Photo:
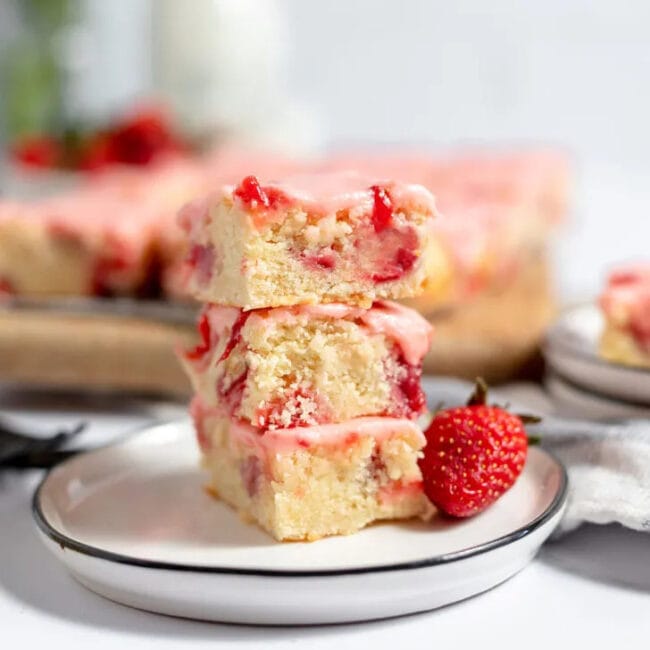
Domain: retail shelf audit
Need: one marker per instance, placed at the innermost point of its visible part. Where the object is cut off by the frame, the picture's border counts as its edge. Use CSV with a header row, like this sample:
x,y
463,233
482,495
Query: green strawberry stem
x,y
479,398
526,418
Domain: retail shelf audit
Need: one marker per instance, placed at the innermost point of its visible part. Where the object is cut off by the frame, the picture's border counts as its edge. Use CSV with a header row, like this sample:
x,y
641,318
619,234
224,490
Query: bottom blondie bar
x,y
306,483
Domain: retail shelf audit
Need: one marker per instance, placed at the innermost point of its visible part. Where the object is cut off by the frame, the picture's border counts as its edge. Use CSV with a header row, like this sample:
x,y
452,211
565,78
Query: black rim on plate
x,y
86,549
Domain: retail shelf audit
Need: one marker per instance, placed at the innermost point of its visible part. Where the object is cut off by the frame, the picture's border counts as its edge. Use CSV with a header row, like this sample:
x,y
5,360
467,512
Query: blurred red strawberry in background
x,y
138,139
41,151
97,153
142,137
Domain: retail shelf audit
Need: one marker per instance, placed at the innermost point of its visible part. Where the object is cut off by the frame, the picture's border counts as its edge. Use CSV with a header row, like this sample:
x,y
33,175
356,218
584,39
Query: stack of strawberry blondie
x,y
307,376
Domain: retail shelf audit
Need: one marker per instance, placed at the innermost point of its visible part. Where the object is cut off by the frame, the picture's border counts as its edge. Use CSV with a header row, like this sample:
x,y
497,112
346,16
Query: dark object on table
x,y
21,450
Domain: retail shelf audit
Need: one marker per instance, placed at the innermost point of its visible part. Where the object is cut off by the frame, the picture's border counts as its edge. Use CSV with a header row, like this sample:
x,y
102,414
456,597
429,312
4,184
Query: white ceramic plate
x,y
573,401
132,523
571,350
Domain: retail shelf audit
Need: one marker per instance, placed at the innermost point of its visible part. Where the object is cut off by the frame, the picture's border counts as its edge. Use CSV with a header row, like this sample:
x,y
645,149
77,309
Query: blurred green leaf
x,y
30,72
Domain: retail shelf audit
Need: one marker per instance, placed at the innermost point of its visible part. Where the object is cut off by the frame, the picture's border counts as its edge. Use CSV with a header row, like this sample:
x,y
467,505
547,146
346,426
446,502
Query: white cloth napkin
x,y
608,464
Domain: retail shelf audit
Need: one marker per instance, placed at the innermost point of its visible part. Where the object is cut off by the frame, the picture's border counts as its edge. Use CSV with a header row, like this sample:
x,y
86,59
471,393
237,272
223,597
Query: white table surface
x,y
588,590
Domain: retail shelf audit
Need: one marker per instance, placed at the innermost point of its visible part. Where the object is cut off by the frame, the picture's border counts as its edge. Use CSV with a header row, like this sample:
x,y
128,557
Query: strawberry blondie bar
x,y
310,364
305,414
108,237
304,483
315,238
75,245
625,304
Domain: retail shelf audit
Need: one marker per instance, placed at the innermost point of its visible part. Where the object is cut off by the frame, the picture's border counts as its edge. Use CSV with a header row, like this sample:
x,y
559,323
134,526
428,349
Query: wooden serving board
x,y
129,345
85,344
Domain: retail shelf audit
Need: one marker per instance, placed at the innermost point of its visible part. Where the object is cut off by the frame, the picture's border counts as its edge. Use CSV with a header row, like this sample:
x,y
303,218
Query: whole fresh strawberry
x,y
474,454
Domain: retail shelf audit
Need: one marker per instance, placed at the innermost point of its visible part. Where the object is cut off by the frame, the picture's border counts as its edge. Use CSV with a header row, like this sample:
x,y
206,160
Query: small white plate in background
x,y
572,401
571,351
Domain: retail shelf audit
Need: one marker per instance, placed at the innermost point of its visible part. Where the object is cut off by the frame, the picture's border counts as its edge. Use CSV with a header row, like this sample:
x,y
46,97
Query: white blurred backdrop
x,y
574,72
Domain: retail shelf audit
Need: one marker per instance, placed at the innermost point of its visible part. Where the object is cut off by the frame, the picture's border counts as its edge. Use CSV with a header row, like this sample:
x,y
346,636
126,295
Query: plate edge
x,y
48,529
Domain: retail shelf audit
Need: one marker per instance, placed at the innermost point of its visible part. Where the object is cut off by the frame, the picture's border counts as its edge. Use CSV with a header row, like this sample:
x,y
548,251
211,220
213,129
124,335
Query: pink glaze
x,y
193,217
412,332
405,326
321,194
213,322
626,301
398,491
228,164
221,319
401,165
83,215
168,183
199,414
90,213
497,176
10,210
287,440
490,203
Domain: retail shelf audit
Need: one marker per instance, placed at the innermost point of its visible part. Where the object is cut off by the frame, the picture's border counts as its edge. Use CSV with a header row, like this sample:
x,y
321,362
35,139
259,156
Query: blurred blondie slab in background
x,y
489,295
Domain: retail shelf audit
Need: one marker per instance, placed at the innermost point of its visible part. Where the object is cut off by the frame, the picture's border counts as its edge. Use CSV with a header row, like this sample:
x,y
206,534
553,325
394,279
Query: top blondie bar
x,y
316,238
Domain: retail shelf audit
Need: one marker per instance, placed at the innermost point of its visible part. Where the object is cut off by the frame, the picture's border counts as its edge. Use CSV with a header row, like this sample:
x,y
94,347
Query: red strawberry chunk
x,y
390,254
204,345
382,212
250,193
322,260
409,387
232,393
235,334
256,197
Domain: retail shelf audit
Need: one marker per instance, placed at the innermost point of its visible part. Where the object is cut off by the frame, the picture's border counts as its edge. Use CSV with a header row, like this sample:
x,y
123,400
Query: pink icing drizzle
x,y
403,325
221,318
412,332
278,440
320,194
